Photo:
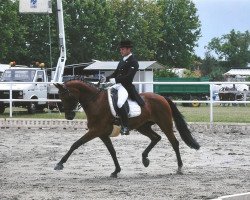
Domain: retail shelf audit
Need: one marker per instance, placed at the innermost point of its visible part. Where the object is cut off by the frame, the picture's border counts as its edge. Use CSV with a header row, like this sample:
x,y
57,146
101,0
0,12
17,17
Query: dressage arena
x,y
28,155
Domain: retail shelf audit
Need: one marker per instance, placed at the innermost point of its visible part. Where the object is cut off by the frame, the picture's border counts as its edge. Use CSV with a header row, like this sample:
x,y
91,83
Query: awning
x,y
112,65
241,72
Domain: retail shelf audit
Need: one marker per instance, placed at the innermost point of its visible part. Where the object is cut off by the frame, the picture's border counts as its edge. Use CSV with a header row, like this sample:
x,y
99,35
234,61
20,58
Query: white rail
x,y
211,101
11,100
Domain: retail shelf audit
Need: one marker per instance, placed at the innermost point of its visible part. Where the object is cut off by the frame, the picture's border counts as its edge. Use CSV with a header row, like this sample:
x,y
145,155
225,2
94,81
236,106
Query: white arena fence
x,y
210,100
243,196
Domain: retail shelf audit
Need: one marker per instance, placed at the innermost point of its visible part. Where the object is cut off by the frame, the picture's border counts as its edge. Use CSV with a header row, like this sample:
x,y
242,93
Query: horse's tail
x,y
182,127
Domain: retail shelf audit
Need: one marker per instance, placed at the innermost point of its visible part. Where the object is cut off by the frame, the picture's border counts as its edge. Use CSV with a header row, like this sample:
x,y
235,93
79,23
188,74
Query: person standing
x,y
122,78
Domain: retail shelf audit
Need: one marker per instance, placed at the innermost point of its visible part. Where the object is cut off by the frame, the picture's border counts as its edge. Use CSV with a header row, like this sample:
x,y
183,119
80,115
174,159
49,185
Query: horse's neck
x,y
96,109
88,93
87,89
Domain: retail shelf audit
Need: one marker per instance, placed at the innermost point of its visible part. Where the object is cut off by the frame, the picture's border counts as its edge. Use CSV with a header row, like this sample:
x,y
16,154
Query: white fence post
x,y
11,99
211,106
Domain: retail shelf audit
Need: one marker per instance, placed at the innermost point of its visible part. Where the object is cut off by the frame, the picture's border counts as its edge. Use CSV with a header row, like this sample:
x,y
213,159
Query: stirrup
x,y
124,131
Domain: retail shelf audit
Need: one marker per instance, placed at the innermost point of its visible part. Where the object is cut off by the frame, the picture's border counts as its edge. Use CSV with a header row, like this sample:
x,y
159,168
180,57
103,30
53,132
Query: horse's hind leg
x,y
107,141
167,128
153,136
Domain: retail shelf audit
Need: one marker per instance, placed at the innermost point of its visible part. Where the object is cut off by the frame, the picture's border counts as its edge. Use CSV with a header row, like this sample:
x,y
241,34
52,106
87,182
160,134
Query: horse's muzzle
x,y
70,115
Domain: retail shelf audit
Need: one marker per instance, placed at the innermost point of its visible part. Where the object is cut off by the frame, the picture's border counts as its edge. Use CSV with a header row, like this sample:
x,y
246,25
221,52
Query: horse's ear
x,y
59,86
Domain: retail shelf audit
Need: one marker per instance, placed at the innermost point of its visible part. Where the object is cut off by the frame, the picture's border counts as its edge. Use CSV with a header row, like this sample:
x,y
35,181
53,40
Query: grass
x,y
228,114
47,114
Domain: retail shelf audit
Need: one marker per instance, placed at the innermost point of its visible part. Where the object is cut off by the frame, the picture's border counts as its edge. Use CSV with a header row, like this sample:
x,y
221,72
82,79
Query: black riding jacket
x,y
124,74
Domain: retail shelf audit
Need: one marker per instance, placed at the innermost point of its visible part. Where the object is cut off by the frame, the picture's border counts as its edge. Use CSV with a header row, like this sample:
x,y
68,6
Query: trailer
x,y
183,91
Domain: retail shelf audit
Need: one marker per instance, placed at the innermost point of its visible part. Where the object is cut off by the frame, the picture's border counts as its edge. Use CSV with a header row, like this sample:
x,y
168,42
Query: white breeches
x,y
122,94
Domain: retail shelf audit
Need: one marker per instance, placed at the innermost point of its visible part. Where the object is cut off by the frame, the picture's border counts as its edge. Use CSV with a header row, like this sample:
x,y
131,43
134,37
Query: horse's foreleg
x,y
87,137
153,136
107,141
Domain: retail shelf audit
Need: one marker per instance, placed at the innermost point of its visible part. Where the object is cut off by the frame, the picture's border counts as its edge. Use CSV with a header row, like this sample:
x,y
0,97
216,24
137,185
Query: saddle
x,y
132,108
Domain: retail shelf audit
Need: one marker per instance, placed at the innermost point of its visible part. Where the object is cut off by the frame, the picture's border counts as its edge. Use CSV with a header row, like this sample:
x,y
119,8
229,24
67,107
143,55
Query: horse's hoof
x,y
59,166
179,172
113,175
145,162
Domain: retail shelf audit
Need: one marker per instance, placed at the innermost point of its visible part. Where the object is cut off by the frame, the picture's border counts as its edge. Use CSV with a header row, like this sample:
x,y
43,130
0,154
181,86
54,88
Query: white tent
x,y
239,74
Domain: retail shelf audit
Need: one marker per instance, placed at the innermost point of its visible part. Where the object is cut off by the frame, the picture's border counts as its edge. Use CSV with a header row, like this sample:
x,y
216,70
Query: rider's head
x,y
125,47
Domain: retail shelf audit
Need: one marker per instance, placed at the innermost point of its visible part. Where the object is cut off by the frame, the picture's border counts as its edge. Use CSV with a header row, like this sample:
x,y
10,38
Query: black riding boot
x,y
124,120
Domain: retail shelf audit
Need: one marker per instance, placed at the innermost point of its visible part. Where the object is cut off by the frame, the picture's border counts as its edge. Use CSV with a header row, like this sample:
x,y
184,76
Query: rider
x,y
122,78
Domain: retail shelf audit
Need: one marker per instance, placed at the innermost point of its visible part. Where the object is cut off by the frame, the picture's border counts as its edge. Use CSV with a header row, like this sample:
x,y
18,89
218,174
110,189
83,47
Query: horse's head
x,y
69,101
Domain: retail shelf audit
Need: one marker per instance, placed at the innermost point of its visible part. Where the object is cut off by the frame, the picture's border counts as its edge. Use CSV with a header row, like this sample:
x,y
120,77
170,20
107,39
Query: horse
x,y
94,101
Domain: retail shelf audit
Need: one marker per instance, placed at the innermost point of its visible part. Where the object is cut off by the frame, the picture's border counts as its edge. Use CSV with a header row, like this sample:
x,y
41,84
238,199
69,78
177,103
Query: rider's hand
x,y
103,79
112,80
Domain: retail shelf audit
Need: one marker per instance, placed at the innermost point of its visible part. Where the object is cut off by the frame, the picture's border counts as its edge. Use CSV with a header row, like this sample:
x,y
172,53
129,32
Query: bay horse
x,y
94,101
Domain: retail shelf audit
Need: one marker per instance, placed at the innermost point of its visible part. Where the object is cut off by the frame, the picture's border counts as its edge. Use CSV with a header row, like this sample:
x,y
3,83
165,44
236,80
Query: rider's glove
x,y
103,79
112,80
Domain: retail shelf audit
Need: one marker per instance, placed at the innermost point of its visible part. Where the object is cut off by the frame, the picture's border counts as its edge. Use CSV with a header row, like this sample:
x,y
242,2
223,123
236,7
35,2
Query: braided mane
x,y
83,80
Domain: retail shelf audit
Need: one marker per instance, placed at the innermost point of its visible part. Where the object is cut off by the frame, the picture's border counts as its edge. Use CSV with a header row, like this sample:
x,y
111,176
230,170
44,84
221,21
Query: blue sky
x,y
219,17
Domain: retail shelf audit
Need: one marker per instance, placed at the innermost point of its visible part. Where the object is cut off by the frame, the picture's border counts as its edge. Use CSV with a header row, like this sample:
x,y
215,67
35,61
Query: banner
x,y
35,6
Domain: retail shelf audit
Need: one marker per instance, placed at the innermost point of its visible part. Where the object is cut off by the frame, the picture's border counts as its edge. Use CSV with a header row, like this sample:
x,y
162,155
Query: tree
x,y
37,38
138,21
25,37
181,31
12,40
212,68
162,30
233,48
167,72
89,29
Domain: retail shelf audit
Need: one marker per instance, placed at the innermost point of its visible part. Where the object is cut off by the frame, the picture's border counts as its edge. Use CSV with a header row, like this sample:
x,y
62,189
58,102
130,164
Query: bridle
x,y
67,91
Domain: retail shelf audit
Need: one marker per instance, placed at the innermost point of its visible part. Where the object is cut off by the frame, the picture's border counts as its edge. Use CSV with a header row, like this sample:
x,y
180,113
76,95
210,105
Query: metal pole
x,y
211,106
62,59
50,48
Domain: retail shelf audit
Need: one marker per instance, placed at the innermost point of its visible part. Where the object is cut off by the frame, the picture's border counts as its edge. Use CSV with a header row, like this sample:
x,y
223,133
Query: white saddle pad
x,y
134,108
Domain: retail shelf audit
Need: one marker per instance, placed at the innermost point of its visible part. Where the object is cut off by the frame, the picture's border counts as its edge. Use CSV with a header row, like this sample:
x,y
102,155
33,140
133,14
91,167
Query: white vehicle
x,y
34,87
3,67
